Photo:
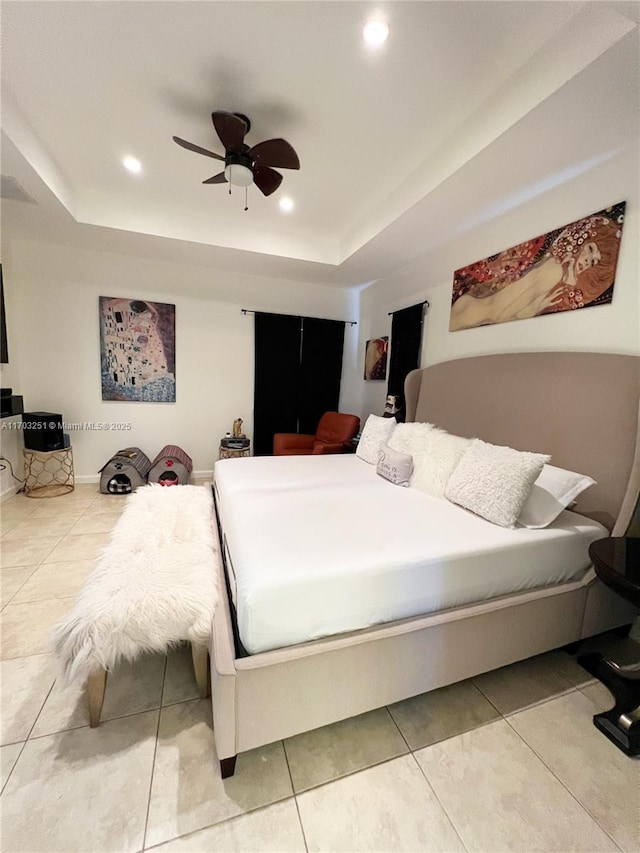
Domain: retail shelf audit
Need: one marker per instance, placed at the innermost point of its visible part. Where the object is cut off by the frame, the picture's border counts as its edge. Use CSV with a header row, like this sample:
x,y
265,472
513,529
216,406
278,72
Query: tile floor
x,y
508,761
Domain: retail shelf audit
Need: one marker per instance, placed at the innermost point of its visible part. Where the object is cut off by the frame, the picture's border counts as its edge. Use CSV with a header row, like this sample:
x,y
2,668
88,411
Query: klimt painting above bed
x,y
571,267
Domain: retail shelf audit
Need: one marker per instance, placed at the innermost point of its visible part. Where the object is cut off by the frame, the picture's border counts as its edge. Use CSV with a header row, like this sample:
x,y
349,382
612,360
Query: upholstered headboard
x,y
582,408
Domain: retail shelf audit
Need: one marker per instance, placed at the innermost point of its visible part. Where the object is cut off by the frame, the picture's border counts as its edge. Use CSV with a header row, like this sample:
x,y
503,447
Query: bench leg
x,y
228,766
200,655
96,684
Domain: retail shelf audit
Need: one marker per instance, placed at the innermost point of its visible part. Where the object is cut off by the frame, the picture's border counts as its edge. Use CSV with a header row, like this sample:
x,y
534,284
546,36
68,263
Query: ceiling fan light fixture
x,y
238,175
245,165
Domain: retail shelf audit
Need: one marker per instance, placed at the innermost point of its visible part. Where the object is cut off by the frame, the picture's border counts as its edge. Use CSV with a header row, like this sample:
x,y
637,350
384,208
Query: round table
x,y
48,474
617,564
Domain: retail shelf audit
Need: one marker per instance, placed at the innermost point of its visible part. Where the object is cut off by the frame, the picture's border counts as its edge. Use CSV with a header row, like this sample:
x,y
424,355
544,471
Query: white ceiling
x,y
378,134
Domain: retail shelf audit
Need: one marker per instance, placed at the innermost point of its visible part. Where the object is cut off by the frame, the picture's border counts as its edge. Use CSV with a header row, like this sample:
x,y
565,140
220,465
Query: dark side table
x,y
617,563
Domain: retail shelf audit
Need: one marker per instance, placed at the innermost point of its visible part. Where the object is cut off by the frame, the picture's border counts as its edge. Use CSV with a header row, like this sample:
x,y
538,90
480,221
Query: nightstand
x,y
226,452
616,561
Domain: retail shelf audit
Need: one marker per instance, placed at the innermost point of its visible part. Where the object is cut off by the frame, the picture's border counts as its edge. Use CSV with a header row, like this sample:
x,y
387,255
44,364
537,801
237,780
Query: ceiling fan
x,y
244,165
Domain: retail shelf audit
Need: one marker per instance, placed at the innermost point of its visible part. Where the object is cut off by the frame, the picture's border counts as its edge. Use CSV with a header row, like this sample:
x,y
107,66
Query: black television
x,y
4,353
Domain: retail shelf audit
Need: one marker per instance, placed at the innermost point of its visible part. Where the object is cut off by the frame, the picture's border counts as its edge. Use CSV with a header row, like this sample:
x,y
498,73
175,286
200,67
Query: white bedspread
x,y
348,549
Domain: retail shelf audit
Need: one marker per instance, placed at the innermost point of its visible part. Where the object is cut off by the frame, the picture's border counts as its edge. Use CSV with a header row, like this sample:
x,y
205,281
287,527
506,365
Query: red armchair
x,y
333,430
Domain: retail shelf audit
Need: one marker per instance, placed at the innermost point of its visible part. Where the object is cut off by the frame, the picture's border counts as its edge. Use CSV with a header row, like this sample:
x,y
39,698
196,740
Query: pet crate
x,y
171,467
126,471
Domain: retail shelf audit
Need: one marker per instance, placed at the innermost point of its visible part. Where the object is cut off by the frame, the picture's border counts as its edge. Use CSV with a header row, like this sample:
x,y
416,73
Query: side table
x,y
48,474
232,452
616,561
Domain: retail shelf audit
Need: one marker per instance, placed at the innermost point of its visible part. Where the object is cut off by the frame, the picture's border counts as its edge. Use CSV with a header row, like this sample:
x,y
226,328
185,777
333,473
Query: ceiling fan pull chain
x,y
246,194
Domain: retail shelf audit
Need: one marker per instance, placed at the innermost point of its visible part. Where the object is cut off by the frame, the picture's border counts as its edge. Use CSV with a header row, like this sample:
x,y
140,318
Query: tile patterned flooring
x,y
507,761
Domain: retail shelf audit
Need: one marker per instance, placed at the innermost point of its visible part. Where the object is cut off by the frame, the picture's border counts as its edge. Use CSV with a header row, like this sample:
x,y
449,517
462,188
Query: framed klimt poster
x,y
571,267
137,350
375,358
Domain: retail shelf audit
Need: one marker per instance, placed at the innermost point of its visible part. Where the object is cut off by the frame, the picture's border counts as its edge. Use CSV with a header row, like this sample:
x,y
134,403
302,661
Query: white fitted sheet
x,y
260,473
347,550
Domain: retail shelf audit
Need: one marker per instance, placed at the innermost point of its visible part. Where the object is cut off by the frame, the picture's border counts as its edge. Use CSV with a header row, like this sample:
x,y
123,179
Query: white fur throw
x,y
154,585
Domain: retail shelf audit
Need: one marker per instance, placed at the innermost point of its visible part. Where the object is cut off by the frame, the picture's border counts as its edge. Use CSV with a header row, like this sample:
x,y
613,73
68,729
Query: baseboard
x,y
202,475
9,492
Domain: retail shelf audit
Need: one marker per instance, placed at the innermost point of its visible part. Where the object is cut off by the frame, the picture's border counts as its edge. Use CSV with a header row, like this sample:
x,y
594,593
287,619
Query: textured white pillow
x,y
376,432
394,465
410,438
552,492
435,454
494,482
434,465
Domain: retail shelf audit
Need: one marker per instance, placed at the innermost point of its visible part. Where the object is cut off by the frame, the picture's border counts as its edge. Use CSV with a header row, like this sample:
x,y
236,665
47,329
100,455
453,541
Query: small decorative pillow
x,y
394,466
494,482
376,432
552,492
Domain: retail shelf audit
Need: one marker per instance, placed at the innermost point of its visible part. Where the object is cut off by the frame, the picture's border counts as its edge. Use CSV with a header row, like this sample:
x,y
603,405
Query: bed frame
x,y
582,408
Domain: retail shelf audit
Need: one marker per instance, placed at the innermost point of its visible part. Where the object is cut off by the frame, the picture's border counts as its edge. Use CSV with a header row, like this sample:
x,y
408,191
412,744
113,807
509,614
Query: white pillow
x,y
435,454
552,492
376,432
410,438
494,482
433,466
394,465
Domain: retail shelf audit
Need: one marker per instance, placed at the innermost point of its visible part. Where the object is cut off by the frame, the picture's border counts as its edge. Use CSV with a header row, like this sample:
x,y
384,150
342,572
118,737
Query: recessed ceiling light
x,y
286,204
375,32
132,164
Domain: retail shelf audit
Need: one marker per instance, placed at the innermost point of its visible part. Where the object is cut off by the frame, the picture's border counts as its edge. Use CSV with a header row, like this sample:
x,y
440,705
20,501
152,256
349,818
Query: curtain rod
x,y
426,302
253,311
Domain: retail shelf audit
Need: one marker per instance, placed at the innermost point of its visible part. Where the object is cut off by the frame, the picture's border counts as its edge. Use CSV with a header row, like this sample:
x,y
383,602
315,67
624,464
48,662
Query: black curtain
x,y
277,378
320,371
298,366
406,338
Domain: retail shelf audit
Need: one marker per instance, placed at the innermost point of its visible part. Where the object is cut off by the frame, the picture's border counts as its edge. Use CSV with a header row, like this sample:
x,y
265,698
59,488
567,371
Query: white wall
x,y
10,377
54,337
606,328
556,166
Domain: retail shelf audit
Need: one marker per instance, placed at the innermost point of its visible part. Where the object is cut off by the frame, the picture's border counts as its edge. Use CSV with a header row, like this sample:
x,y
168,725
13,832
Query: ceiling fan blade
x,y
267,180
275,152
191,147
216,179
230,129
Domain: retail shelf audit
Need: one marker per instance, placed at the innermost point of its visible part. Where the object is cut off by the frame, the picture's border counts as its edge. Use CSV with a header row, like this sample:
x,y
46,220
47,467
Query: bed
x,y
278,668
